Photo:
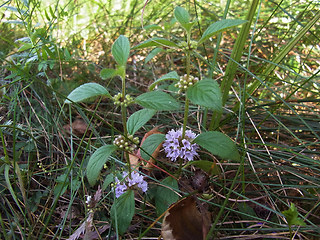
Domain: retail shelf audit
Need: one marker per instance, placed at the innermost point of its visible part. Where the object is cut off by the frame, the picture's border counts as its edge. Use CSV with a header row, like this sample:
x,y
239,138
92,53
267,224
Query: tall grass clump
x,y
145,120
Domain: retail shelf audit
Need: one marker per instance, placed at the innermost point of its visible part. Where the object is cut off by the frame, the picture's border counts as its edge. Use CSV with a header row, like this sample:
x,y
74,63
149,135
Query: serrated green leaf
x,y
96,162
183,18
120,50
292,216
181,15
206,93
169,76
152,54
150,145
108,73
218,27
157,100
138,119
165,196
122,211
156,42
86,91
218,144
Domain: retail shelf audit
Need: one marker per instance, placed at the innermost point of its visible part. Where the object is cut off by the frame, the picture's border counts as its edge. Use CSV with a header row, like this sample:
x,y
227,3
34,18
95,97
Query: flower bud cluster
x,y
128,144
122,101
184,45
43,168
186,82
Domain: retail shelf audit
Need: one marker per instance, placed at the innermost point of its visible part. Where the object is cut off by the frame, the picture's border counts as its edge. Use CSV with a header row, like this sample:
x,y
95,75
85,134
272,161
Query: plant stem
x,y
123,92
186,105
180,168
185,118
124,114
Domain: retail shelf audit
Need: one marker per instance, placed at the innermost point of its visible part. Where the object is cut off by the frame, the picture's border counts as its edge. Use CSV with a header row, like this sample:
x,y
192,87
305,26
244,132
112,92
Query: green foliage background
x,y
48,48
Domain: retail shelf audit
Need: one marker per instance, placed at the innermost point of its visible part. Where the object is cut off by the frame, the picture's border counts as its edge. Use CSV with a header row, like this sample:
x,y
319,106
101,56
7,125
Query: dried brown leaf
x,y
184,221
85,226
135,160
79,127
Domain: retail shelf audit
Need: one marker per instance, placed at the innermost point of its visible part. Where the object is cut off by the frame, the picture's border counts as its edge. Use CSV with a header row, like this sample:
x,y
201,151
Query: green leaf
x,y
25,47
218,144
120,50
165,196
292,216
150,145
218,27
122,211
206,93
86,91
67,54
60,189
47,16
48,51
156,42
44,54
157,100
169,76
138,119
183,18
52,13
152,54
108,73
96,162
107,181
152,27
181,15
208,166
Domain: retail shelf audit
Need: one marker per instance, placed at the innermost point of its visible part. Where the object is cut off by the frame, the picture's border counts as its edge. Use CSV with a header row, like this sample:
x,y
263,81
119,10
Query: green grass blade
x,y
234,59
237,52
286,49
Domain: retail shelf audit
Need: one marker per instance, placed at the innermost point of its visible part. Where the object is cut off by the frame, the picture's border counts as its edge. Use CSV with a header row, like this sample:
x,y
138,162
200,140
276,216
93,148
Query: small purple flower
x,y
120,188
175,146
127,182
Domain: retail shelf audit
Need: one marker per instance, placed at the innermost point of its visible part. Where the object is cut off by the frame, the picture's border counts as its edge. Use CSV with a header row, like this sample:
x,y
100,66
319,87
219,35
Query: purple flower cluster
x,y
175,146
136,180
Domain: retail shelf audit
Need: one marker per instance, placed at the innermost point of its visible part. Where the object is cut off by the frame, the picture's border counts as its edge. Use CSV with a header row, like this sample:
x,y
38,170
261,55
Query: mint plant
x,y
179,144
292,217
